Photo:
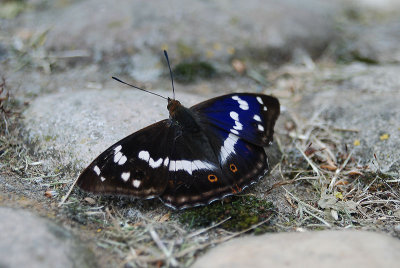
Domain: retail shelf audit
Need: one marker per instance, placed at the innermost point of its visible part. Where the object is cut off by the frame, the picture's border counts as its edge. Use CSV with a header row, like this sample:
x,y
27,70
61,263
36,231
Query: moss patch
x,y
190,71
244,211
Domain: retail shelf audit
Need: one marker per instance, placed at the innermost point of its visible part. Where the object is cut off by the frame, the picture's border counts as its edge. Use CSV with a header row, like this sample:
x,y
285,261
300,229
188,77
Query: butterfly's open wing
x,y
250,116
136,165
211,165
187,167
228,156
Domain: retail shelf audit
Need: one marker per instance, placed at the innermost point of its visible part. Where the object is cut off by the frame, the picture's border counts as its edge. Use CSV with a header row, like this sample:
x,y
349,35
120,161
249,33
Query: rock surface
x,y
215,29
72,128
376,43
29,241
310,249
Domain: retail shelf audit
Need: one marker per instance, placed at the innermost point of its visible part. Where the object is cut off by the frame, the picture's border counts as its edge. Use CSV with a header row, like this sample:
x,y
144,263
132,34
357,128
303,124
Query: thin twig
x,y
278,184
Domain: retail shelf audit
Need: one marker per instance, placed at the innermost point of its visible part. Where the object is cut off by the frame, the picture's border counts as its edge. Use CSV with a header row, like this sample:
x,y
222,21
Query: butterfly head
x,y
173,105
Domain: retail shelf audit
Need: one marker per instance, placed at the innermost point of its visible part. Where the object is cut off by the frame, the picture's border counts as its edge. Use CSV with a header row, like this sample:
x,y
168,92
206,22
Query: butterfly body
x,y
198,155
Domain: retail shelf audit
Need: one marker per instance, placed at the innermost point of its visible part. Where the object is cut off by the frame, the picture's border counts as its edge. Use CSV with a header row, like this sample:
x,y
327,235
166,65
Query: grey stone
x,y
381,6
29,241
371,31
376,43
71,129
200,27
397,228
363,79
309,249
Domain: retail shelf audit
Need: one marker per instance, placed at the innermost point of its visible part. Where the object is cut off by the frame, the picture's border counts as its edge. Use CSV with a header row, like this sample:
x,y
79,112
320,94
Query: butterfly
x,y
196,156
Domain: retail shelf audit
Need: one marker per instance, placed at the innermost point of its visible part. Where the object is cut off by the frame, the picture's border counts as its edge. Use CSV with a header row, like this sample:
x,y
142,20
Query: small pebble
x,y
90,200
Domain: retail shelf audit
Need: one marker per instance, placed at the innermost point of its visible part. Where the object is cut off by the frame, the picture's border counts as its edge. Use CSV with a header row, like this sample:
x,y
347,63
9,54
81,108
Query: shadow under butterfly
x,y
196,156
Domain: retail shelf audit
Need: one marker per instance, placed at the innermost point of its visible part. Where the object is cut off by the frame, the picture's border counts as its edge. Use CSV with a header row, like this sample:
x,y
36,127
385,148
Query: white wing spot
x,y
155,164
144,155
242,104
166,161
190,166
260,128
229,147
187,165
260,100
257,118
265,108
96,170
238,126
125,176
117,157
234,131
122,160
234,116
172,165
136,183
117,149
202,165
102,178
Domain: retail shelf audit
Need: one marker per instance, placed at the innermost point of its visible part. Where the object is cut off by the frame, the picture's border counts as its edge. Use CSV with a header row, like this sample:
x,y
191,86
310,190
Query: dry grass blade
x,y
220,240
65,197
161,246
318,218
302,203
334,178
198,232
313,166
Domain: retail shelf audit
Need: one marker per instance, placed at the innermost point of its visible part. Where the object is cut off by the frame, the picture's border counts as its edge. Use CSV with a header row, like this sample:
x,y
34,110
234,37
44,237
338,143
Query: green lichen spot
x,y
190,71
184,50
48,138
245,211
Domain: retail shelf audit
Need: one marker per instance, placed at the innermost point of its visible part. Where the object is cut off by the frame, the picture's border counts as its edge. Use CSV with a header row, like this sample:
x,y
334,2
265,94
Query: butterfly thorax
x,y
182,116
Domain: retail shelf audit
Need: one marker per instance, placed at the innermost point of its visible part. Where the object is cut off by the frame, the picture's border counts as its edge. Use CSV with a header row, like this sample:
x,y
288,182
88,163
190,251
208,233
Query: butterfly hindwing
x,y
247,115
195,175
204,169
136,165
244,162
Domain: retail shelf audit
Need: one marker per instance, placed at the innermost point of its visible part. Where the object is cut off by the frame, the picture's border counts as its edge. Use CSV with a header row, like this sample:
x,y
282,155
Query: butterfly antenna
x,y
170,72
119,80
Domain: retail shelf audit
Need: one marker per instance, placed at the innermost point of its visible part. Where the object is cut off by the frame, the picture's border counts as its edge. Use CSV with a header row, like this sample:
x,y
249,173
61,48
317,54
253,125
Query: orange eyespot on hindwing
x,y
212,178
233,168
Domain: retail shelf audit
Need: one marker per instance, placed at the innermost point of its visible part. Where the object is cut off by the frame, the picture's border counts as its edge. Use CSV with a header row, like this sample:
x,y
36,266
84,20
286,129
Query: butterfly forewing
x,y
249,116
137,165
